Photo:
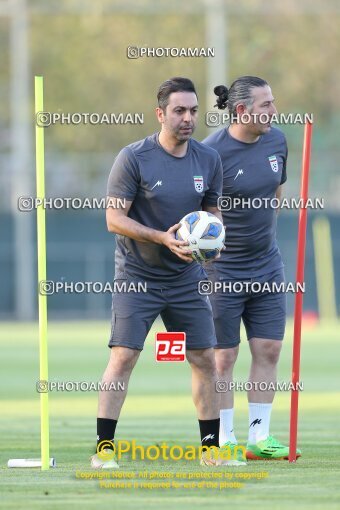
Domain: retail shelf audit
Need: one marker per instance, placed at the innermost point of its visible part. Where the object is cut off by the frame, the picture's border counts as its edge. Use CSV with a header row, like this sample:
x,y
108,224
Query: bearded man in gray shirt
x,y
157,179
254,157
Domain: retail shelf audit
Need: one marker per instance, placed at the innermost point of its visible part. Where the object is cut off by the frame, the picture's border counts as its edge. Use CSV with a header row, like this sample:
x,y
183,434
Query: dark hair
x,y
239,92
176,84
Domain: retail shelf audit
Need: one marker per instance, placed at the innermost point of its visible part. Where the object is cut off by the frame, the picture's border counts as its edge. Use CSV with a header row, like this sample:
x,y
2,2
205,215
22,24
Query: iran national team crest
x,y
198,180
273,163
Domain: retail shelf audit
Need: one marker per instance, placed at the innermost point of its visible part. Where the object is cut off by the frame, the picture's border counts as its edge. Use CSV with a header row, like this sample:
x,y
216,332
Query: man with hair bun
x,y
254,158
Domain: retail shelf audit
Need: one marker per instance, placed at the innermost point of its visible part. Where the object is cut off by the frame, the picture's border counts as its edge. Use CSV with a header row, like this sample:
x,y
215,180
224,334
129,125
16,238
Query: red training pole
x,y
300,273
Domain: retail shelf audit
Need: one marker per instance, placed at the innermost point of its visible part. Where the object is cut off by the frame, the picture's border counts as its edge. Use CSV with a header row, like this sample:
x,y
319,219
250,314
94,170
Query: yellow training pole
x,y
324,268
42,299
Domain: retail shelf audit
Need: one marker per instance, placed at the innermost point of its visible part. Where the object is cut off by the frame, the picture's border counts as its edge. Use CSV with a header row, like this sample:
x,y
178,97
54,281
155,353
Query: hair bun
x,y
222,92
220,89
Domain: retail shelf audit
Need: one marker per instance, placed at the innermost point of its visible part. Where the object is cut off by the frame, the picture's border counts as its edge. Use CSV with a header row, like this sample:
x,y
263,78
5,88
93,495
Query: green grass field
x,y
158,408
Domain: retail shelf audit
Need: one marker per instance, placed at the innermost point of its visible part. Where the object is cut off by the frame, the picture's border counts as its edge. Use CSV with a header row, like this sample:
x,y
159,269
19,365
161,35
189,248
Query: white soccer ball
x,y
205,234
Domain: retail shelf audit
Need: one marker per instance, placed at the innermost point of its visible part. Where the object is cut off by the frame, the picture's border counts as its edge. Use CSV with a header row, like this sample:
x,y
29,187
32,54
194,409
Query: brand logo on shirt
x,y
158,183
273,163
240,172
198,180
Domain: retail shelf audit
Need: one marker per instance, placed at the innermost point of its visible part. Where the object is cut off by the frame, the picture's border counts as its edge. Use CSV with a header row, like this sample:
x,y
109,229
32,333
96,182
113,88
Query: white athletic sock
x,y
227,426
259,421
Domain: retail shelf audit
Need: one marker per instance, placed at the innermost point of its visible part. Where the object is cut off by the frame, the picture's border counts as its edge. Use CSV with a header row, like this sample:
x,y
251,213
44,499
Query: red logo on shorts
x,y
170,346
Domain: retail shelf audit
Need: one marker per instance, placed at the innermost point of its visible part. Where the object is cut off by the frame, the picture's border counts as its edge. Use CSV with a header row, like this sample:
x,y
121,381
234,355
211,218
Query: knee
x,y
203,360
274,354
225,359
123,358
269,354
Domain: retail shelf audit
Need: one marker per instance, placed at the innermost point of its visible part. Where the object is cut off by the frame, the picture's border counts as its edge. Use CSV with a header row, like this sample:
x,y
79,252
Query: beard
x,y
183,132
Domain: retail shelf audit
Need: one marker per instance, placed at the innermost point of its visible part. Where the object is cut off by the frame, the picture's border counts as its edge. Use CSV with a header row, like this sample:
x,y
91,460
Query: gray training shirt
x,y
163,189
250,170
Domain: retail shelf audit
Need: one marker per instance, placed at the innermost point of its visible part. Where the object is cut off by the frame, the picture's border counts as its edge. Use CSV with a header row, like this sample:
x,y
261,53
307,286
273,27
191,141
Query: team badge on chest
x,y
198,180
273,163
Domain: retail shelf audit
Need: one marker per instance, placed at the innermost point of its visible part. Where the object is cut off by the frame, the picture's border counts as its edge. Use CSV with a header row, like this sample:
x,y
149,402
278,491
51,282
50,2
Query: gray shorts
x,y
263,313
181,307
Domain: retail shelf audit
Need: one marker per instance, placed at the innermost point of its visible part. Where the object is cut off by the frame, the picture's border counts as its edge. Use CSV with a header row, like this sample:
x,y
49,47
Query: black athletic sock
x,y
106,429
209,432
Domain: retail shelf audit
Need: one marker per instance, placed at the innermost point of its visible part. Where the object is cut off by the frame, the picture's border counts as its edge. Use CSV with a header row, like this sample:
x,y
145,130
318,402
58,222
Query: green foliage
x,y
84,61
83,58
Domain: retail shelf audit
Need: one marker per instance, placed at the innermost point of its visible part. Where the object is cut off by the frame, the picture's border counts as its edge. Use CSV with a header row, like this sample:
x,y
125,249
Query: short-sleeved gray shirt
x,y
163,188
250,170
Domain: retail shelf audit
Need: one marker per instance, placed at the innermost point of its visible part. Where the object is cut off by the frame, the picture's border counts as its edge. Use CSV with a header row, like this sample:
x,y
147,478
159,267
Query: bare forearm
x,y
278,196
218,214
128,227
215,211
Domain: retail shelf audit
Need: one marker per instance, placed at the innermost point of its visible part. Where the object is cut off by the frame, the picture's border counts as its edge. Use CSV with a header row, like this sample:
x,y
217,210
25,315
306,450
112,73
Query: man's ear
x,y
241,109
160,115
